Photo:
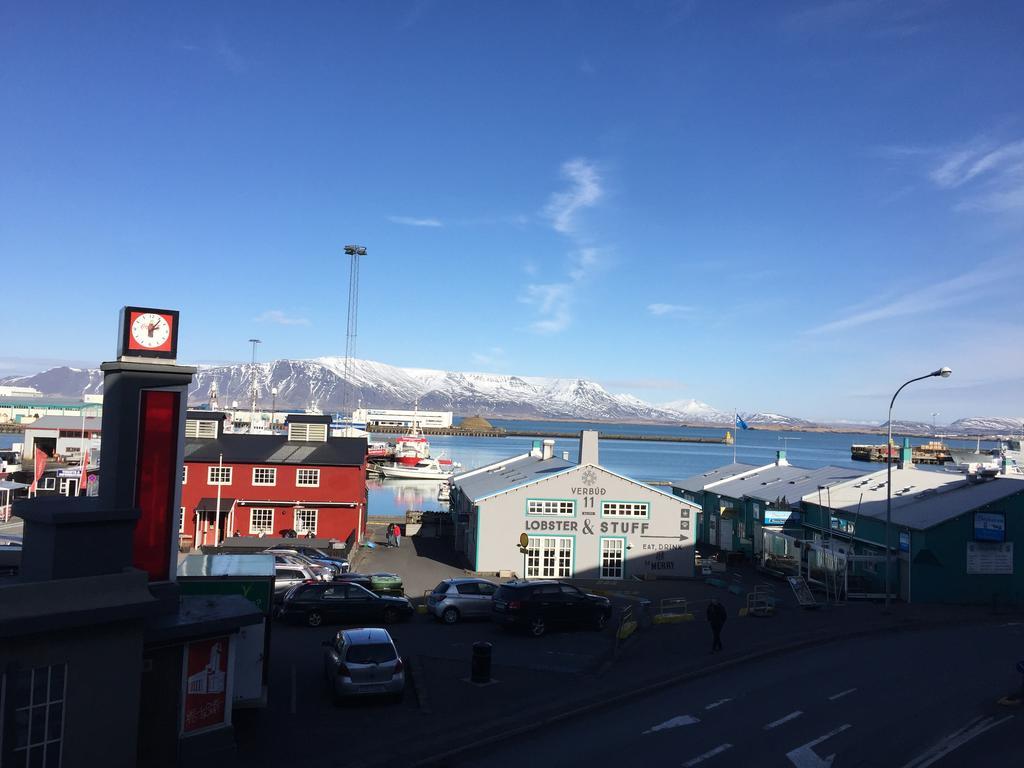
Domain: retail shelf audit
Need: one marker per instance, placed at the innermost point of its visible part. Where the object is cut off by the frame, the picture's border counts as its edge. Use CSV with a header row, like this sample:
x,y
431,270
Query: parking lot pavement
x,y
438,694
421,562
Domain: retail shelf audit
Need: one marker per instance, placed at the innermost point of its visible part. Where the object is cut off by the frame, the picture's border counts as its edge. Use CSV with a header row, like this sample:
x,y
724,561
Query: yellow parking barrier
x,y
626,629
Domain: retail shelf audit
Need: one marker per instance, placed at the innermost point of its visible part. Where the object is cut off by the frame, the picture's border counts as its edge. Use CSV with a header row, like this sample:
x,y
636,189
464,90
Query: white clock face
x,y
150,330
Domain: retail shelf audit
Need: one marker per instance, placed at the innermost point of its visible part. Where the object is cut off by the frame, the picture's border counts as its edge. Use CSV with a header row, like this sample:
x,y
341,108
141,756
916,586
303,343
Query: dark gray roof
x,y
502,475
209,504
697,482
307,418
276,449
205,415
43,402
786,481
92,423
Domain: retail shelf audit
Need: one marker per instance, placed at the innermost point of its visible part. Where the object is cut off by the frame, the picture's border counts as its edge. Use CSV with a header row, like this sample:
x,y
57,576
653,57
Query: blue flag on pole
x,y
741,423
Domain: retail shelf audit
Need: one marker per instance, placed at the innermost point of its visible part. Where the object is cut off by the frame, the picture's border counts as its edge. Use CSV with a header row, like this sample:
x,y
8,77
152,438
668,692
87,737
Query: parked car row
x,y
313,602
365,661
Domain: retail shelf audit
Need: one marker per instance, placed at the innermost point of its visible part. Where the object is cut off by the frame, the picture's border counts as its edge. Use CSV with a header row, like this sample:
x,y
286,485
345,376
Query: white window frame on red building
x,y
272,473
305,527
298,478
258,529
229,473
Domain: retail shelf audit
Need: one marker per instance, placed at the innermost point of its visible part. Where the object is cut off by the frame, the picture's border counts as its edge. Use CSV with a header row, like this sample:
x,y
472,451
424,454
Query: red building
x,y
305,481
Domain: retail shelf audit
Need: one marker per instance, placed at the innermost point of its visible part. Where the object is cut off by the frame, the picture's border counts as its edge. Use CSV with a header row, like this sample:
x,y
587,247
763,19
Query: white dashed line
x,y
840,695
718,703
675,722
781,720
954,741
707,755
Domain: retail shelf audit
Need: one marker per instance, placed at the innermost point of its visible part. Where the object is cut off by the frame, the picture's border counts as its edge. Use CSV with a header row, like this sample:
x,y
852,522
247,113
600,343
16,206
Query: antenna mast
x,y
354,252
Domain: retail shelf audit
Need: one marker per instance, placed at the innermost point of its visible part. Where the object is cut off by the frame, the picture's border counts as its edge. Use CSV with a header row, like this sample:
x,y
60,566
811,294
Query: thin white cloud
x,y
987,176
411,221
981,282
229,57
553,302
962,165
584,262
281,317
663,310
494,357
584,191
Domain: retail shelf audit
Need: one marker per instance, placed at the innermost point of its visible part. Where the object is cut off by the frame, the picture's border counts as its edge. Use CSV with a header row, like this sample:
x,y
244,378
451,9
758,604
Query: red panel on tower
x,y
158,472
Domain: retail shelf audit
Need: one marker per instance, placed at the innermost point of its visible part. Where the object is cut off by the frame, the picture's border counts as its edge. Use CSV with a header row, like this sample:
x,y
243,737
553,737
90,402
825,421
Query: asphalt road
x,y
910,699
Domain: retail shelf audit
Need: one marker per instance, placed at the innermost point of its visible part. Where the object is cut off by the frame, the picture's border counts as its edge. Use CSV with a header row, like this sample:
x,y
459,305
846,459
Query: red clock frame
x,y
168,350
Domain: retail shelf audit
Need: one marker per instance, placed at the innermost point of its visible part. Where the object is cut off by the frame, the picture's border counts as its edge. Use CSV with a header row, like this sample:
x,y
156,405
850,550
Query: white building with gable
x,y
581,520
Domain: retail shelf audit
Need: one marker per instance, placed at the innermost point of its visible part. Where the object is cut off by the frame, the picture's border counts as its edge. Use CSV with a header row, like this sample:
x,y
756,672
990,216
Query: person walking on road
x,y
398,536
389,534
716,618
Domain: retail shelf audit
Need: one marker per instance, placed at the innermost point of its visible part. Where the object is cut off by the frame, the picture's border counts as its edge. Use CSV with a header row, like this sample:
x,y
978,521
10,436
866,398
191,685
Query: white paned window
x,y
550,507
264,476
261,521
307,433
200,429
218,476
47,483
37,698
613,552
184,474
305,521
181,521
549,557
625,509
307,478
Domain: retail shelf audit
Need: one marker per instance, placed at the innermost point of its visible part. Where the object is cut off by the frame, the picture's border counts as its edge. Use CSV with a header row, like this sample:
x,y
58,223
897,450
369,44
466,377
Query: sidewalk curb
x,y
438,760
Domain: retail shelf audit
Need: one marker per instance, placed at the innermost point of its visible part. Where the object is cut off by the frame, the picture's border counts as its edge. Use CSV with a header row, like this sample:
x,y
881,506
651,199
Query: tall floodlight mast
x,y
354,252
255,386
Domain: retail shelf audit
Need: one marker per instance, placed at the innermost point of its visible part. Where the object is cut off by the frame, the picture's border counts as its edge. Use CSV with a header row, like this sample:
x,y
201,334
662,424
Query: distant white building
x,y
382,417
19,392
25,409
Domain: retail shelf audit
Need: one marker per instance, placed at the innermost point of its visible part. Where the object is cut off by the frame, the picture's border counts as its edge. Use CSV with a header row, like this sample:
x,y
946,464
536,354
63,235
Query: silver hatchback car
x,y
359,662
455,599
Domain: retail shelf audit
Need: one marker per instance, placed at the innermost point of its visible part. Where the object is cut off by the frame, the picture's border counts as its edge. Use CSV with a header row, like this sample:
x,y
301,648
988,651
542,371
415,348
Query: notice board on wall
x,y
991,559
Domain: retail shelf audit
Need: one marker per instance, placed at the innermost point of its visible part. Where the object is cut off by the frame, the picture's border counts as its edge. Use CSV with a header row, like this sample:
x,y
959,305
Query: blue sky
x,y
772,206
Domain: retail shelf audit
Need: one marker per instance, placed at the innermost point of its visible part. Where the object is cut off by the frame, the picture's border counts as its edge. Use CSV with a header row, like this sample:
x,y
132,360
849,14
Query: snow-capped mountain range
x,y
320,382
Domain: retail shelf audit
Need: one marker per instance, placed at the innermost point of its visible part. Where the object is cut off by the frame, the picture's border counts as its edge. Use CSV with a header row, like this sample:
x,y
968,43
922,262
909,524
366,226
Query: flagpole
x,y
735,432
220,482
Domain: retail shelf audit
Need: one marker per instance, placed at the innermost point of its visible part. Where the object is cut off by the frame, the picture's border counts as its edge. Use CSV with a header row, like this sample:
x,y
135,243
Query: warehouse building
x,y
952,535
581,520
386,418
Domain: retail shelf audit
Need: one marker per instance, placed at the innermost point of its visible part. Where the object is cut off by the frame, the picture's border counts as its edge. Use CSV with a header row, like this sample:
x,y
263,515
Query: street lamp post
x,y
933,422
273,407
944,373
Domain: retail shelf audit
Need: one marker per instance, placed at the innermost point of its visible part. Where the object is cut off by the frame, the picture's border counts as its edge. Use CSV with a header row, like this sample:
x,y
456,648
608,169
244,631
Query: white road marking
x,y
781,720
675,722
707,755
804,756
718,703
840,695
955,740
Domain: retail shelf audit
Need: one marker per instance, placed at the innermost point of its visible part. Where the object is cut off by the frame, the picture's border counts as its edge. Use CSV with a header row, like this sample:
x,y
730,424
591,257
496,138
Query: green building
x,y
951,539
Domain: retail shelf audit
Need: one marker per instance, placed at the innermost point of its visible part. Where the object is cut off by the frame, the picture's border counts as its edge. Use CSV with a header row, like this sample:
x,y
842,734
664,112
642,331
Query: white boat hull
x,y
407,472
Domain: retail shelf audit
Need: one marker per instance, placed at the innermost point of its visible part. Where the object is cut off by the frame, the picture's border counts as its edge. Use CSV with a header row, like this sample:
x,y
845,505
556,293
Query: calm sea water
x,y
641,460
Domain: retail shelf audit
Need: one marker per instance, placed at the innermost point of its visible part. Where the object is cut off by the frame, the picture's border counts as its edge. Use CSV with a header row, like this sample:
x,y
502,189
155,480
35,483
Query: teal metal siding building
x,y
952,539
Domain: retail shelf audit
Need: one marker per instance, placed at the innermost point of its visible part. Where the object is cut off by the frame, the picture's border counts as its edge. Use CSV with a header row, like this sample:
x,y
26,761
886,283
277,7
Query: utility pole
x,y
255,388
354,252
